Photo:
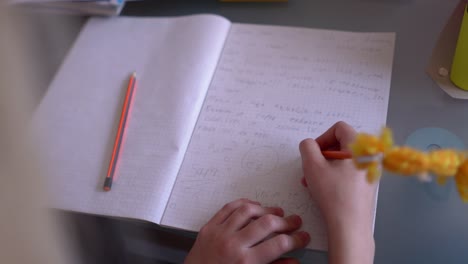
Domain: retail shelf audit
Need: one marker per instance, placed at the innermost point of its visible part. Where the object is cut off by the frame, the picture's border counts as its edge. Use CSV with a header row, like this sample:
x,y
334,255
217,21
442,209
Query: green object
x,y
459,73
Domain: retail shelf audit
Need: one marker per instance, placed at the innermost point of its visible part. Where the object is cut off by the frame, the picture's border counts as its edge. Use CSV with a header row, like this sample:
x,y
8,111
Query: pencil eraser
x,y
107,184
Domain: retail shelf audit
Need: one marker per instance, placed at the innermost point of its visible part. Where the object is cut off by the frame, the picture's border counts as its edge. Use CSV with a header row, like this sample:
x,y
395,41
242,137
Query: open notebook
x,y
218,114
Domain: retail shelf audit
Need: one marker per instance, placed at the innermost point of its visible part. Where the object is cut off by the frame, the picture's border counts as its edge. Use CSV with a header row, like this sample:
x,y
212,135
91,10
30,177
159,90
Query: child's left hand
x,y
241,232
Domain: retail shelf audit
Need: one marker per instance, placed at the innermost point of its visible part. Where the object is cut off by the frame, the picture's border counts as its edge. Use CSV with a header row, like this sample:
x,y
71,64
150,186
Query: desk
x,y
416,223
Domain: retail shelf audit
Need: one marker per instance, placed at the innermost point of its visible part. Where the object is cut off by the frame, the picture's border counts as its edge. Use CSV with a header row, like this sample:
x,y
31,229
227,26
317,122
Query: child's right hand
x,y
343,195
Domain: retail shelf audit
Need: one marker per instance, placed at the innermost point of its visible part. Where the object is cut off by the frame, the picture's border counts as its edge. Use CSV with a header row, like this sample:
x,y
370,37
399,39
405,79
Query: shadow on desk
x,y
104,240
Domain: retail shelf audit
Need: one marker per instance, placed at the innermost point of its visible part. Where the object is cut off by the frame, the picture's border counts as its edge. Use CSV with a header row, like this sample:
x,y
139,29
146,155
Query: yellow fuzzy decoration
x,y
405,161
371,153
461,179
444,162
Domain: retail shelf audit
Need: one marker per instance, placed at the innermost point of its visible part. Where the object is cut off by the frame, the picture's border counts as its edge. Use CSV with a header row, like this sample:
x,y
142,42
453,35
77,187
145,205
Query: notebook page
x,y
273,87
175,59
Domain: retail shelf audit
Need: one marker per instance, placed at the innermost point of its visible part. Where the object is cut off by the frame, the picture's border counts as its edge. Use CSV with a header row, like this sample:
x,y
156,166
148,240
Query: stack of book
x,y
91,7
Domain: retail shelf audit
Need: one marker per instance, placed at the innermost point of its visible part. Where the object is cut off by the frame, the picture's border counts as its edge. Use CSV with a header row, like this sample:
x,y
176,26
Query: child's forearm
x,y
350,244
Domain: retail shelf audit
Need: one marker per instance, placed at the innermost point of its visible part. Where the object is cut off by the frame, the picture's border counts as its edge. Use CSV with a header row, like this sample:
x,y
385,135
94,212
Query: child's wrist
x,y
350,243
350,230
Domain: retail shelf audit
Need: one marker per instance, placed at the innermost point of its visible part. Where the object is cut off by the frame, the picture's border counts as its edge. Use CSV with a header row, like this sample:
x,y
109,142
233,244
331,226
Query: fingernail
x,y
279,211
304,236
303,181
297,220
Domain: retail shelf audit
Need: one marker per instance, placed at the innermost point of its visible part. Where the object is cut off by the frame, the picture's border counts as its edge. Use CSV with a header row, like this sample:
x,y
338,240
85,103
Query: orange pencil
x,y
120,133
336,154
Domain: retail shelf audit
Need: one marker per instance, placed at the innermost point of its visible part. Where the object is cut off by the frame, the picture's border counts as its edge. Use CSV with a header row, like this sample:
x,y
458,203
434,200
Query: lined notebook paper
x,y
273,87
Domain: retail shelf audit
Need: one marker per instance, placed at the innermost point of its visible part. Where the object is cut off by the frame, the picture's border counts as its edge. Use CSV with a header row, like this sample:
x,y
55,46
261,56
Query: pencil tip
x,y
134,74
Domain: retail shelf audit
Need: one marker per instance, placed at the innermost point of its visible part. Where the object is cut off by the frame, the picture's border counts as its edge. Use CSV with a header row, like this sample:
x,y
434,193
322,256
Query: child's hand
x,y
241,232
343,195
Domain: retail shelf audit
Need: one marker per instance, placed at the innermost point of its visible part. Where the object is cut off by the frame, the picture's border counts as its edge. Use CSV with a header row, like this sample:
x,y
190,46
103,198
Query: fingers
x,y
304,182
311,154
266,225
248,211
228,209
339,136
286,261
273,248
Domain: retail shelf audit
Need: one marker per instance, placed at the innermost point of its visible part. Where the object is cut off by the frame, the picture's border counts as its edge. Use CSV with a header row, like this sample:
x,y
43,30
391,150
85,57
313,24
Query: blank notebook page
x,y
275,86
175,59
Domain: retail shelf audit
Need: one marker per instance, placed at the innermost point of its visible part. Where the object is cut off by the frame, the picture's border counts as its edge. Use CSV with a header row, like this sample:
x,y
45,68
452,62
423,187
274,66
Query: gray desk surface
x,y
416,223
